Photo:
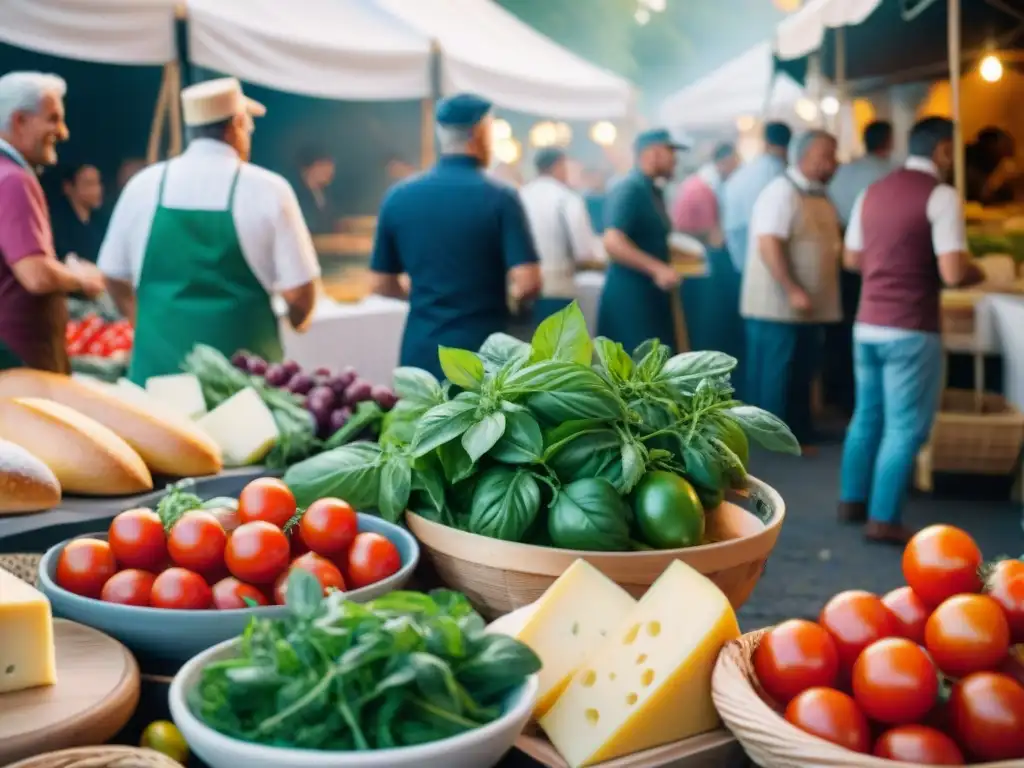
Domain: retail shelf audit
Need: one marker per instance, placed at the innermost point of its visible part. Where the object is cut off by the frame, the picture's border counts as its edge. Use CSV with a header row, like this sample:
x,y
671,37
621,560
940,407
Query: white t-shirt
x,y
271,230
778,204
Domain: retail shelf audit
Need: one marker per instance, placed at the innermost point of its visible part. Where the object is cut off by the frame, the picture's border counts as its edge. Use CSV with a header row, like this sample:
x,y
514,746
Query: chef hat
x,y
216,100
462,110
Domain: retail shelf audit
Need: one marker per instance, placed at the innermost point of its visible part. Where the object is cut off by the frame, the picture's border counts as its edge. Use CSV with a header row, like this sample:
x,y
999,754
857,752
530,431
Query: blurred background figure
x,y
316,174
78,225
992,174
127,170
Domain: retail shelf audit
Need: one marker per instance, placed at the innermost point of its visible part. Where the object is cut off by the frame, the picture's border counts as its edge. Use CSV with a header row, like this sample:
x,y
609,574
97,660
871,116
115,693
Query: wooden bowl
x,y
501,576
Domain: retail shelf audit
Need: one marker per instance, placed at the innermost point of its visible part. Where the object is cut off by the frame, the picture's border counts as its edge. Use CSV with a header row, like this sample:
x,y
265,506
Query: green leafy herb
x,y
766,429
442,424
482,436
417,386
352,472
505,504
177,500
589,515
395,488
563,336
500,350
462,367
521,442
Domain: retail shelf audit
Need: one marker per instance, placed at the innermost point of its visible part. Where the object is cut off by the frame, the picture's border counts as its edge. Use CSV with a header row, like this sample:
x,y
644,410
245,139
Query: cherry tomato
x,y
918,744
197,542
830,715
941,561
231,594
371,559
268,499
326,573
909,612
967,633
130,587
987,716
328,526
84,566
1005,585
895,682
182,589
856,619
257,552
794,656
137,539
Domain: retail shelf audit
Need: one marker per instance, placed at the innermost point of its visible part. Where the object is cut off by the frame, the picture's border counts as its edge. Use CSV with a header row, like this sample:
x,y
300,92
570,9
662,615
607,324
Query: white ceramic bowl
x,y
480,748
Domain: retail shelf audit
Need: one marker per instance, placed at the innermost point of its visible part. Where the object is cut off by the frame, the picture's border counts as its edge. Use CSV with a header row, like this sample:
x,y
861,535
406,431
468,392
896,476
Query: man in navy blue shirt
x,y
462,239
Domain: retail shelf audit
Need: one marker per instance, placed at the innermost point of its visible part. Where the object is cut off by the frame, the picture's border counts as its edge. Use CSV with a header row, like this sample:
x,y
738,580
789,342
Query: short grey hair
x,y
454,139
24,92
798,149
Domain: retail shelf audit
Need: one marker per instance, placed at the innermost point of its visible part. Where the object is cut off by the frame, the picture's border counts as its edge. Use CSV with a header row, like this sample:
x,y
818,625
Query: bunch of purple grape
x,y
329,397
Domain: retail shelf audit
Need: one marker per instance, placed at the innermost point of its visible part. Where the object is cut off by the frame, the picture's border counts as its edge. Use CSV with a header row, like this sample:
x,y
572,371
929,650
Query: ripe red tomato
x,y
197,542
987,716
84,566
267,499
131,587
371,559
328,526
137,539
326,573
1005,585
918,744
967,633
231,594
856,619
181,589
794,656
831,715
257,552
895,682
941,561
909,611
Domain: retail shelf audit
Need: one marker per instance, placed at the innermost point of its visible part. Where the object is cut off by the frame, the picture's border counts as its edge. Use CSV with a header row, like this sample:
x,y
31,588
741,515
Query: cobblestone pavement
x,y
816,556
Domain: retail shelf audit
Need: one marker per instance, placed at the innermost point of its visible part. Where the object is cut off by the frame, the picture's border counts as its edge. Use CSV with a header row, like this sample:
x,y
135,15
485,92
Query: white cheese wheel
x,y
86,457
169,444
26,483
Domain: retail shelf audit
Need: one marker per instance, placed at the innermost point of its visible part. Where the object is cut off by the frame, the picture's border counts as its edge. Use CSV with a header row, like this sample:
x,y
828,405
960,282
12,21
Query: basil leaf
x,y
654,415
455,462
522,442
585,455
443,423
462,367
613,357
351,472
589,515
505,503
303,594
634,465
428,476
399,424
702,465
563,336
499,662
693,367
395,487
501,349
417,385
481,437
766,429
555,437
650,364
560,392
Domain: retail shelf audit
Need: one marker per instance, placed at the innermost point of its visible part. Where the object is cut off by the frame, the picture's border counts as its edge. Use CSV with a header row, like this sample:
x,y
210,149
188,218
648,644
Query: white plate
x,y
511,623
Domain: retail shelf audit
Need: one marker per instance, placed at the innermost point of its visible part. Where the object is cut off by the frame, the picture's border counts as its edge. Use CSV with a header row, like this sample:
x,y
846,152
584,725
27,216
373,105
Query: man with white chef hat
x,y
198,245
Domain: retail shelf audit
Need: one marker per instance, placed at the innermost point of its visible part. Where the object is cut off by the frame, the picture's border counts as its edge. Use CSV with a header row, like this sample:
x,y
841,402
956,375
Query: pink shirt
x,y
695,209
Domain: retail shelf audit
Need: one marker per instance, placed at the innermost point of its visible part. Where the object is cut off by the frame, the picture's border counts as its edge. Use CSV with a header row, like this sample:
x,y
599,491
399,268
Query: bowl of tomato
x,y
170,596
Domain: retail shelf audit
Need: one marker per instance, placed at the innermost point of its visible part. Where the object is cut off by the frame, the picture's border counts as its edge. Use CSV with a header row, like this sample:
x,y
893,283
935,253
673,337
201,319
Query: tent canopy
x,y
804,31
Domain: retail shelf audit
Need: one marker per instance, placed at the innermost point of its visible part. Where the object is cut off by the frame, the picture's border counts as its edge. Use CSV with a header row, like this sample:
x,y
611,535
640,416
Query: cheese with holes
x,y
649,682
27,653
180,392
571,619
243,427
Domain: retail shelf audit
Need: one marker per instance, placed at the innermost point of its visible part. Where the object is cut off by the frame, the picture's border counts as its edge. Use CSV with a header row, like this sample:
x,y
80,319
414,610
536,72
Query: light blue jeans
x,y
898,385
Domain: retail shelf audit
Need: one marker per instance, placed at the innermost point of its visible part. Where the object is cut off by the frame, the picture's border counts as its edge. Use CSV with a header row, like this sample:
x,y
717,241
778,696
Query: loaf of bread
x,y
169,444
26,483
86,457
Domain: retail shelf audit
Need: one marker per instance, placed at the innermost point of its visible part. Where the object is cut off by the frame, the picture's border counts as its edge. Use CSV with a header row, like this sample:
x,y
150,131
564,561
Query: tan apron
x,y
814,250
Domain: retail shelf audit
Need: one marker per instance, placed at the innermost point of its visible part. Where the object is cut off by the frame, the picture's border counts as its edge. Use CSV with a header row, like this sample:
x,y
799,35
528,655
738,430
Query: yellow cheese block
x,y
649,683
27,653
571,619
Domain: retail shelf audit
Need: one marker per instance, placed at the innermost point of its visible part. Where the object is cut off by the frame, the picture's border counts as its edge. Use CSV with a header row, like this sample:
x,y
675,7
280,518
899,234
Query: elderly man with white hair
x,y
791,283
33,282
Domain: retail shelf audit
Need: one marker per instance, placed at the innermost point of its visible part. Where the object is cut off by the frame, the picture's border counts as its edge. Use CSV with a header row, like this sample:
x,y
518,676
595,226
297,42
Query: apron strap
x,y
163,183
234,186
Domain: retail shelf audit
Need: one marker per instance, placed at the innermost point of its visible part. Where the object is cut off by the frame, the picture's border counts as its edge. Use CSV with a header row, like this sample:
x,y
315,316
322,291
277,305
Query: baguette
x,y
169,444
26,483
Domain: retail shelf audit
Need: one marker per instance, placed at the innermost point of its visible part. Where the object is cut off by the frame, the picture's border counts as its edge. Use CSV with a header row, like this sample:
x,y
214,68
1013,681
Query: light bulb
x,y
603,133
830,106
501,130
991,69
642,16
806,110
507,151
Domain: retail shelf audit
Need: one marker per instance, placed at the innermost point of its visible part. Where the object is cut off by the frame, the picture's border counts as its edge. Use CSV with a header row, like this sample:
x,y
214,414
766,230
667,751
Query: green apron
x,y
197,288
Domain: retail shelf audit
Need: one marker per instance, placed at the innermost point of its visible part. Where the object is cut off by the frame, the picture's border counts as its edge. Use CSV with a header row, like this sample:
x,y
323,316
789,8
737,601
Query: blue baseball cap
x,y
462,110
547,158
655,136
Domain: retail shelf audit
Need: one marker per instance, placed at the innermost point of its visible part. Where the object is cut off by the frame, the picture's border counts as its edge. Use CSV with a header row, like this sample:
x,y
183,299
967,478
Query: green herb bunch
x,y
405,669
542,442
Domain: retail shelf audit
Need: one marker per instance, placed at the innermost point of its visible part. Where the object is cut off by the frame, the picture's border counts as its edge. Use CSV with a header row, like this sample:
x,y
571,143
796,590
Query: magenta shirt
x,y
695,209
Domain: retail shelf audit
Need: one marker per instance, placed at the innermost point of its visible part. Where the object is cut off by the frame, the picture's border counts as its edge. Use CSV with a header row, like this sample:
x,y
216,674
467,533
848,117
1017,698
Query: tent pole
x,y
156,129
955,66
174,109
840,87
428,147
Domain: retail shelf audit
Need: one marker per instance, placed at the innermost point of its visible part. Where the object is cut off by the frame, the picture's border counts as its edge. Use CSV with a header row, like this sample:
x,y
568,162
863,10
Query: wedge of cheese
x,y
86,457
27,652
571,619
26,483
169,444
243,427
180,392
649,682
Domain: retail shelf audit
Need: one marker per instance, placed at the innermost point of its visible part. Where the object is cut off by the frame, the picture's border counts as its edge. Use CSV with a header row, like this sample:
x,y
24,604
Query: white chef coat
x,y
272,233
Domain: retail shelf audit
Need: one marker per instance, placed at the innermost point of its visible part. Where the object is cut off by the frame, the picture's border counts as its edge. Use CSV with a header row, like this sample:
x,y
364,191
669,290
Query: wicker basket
x,y
99,757
25,567
769,740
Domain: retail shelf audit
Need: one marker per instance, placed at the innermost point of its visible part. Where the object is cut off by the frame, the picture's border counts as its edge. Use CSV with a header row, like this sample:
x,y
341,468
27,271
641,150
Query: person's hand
x,y
666,277
91,279
799,300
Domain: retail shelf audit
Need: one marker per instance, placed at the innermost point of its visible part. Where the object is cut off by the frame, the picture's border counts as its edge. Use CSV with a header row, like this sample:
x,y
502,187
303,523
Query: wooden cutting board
x,y
96,693
718,749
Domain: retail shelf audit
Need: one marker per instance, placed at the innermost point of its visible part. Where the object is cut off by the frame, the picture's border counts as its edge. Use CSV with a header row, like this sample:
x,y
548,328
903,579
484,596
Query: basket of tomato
x,y
925,675
92,336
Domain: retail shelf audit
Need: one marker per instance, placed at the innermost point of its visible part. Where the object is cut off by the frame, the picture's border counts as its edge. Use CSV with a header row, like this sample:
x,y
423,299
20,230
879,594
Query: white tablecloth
x,y
1005,315
588,293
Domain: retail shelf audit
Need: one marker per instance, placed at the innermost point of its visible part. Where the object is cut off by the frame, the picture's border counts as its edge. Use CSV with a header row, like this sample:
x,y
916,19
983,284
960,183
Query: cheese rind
x,y
28,657
181,392
243,427
571,619
649,683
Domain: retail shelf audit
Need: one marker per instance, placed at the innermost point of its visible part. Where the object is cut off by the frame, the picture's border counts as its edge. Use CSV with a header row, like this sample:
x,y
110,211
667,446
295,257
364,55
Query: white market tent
x,y
804,31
